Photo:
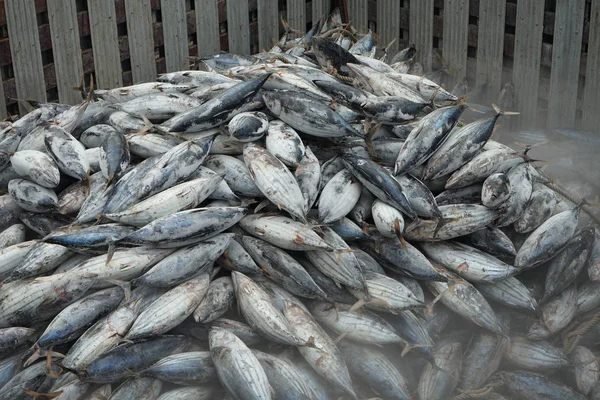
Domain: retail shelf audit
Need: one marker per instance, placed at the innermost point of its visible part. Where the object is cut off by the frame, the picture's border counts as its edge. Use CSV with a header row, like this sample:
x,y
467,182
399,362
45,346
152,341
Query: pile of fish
x,y
310,222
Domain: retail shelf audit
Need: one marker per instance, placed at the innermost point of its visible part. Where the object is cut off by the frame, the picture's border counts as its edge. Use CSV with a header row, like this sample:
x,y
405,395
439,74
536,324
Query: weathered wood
x,y
105,44
268,23
3,111
526,66
489,47
207,27
358,11
591,97
25,50
175,33
456,36
564,74
388,24
141,41
62,16
296,14
238,26
421,30
320,8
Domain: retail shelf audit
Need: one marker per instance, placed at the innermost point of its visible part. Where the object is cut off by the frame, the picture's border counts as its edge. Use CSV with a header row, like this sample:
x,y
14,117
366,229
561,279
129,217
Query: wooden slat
x,y
62,16
207,27
141,40
25,50
105,44
238,26
526,67
296,14
358,11
490,43
268,23
174,22
3,111
456,35
564,74
320,8
421,30
591,96
388,24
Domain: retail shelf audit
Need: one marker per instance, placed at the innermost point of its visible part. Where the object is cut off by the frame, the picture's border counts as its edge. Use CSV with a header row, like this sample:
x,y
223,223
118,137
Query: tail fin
x,y
502,112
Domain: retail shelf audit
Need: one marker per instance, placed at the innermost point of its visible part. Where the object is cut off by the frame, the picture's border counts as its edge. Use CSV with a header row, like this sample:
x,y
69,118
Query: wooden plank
x,y
358,11
207,27
526,66
25,50
62,16
296,14
141,41
591,97
238,26
456,36
3,111
268,23
105,44
490,43
320,8
175,33
421,30
388,24
566,53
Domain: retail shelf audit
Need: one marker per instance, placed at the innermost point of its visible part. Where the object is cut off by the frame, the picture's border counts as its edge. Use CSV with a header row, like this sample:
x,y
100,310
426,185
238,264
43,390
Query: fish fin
x,y
441,222
36,354
433,96
409,347
261,205
51,372
462,100
311,342
336,309
502,112
126,286
358,305
124,340
437,298
386,49
398,232
370,132
340,337
42,396
110,253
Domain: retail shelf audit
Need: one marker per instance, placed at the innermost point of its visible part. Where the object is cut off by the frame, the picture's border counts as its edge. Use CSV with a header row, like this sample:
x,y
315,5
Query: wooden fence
x,y
549,49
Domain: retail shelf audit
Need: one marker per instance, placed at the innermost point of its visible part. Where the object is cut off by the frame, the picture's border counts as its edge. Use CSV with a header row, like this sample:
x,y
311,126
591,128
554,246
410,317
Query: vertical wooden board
x,y
456,35
421,30
174,23
490,44
238,26
3,111
527,57
591,94
141,40
105,44
62,16
564,73
296,14
320,8
388,25
25,50
268,23
358,11
207,27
